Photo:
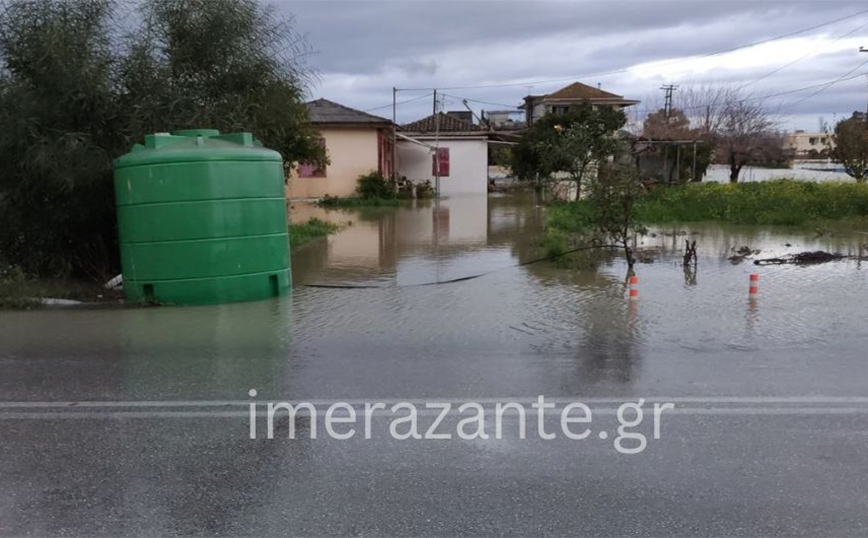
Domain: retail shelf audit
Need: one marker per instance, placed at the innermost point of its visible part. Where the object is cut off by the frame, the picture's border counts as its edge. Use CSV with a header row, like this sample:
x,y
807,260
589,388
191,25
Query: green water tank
x,y
202,219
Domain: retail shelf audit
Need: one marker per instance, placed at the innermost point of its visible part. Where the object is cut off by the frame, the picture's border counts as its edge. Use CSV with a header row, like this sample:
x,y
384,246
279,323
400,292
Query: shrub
x,y
354,201
374,185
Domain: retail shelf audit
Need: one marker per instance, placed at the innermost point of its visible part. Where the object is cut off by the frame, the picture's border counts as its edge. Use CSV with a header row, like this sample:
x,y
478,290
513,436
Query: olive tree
x,y
851,146
573,143
78,88
612,197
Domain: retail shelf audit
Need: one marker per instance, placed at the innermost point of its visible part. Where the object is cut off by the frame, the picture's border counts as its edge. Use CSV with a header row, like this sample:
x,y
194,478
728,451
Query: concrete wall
x,y
468,165
352,152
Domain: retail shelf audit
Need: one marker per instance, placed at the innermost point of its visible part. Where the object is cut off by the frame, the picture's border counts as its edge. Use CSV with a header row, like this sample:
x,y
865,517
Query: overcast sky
x,y
365,47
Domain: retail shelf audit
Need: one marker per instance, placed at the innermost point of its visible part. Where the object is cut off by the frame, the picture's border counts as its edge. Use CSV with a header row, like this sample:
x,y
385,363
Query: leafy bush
x,y
374,185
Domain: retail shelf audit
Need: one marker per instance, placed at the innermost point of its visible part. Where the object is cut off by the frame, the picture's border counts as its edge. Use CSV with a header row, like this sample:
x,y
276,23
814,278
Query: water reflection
x,y
208,352
522,329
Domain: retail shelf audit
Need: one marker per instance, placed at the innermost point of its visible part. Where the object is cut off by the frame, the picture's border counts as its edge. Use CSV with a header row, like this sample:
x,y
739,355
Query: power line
x,y
479,101
829,85
849,75
399,102
669,62
799,59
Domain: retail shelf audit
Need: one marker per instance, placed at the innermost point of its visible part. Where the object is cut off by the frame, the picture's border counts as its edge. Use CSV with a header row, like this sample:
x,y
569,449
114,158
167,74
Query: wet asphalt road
x,y
791,469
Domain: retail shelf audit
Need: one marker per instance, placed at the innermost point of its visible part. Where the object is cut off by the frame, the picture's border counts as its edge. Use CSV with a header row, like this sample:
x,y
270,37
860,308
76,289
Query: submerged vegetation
x,y
355,201
372,190
375,190
305,232
21,292
829,205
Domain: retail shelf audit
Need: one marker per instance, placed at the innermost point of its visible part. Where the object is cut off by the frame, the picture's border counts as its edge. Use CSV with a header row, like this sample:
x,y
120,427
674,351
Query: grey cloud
x,y
367,47
414,68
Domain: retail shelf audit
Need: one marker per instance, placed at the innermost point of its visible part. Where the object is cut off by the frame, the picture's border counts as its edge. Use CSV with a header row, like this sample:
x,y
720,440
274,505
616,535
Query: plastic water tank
x,y
202,219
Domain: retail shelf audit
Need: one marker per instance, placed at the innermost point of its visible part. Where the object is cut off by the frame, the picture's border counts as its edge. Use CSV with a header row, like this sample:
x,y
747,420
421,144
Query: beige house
x,y
801,143
537,106
356,143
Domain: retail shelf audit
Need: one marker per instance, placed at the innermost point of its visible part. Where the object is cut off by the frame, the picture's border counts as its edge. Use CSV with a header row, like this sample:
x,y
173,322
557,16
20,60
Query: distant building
x,y
461,156
464,115
504,119
559,102
804,144
356,142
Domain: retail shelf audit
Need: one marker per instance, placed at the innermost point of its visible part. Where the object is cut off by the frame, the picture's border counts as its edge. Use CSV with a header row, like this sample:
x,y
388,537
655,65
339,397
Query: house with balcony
x,y
559,102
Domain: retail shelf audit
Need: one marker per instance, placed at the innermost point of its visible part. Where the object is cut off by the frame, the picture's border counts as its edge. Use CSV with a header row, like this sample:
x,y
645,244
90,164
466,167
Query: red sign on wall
x,y
441,160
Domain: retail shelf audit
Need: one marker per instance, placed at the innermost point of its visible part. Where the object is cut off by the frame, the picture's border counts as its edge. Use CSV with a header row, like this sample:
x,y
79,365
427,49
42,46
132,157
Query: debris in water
x,y
803,258
741,254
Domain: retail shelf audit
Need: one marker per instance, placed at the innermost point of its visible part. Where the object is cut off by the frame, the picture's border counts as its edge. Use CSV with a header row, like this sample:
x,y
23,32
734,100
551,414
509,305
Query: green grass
x,y
299,234
355,201
782,202
20,292
827,206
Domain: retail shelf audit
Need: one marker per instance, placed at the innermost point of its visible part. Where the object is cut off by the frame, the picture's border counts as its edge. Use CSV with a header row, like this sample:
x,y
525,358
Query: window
x,y
307,170
560,109
441,159
813,141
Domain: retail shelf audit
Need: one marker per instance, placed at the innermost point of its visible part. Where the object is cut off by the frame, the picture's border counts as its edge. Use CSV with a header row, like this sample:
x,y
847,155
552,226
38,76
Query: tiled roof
x,y
447,124
577,90
325,111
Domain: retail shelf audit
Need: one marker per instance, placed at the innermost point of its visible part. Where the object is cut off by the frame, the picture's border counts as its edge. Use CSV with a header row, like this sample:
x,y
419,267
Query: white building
x,y
801,143
462,148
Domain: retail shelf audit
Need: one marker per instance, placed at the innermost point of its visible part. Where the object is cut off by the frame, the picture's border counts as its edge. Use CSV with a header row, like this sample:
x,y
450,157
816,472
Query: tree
x,y
659,126
76,93
227,64
851,146
746,136
739,124
572,143
677,127
612,196
61,129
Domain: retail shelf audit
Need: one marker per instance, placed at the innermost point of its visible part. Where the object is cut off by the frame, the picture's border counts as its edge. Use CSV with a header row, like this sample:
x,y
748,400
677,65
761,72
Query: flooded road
x,y
133,421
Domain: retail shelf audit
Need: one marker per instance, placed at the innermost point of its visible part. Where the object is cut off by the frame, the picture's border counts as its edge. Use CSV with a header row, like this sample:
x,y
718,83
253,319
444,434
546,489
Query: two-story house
x,y
537,106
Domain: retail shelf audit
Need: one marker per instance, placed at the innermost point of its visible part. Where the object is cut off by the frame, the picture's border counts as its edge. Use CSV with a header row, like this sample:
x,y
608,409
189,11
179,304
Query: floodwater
x,y
801,170
110,420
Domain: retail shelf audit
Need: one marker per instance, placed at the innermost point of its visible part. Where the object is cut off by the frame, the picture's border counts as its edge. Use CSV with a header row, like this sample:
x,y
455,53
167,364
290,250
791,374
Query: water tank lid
x,y
193,145
197,132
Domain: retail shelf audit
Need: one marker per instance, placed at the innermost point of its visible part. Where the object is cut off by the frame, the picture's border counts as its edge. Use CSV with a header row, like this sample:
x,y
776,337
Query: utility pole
x,y
667,107
394,138
667,111
436,148
863,49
